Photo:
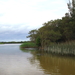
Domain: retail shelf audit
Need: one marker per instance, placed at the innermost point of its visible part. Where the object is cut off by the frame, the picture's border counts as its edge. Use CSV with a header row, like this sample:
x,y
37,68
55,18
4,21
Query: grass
x,y
28,45
1,43
67,48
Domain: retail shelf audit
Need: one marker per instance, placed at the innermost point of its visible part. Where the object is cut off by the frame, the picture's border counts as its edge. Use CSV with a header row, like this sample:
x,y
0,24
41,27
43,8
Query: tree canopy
x,y
59,30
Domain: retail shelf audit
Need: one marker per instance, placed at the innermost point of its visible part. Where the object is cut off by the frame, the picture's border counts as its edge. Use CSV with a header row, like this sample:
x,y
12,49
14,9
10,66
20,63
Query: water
x,y
14,61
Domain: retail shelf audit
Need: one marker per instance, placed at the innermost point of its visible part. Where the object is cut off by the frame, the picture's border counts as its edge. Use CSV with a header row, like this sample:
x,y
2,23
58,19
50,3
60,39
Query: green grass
x,y
1,43
28,45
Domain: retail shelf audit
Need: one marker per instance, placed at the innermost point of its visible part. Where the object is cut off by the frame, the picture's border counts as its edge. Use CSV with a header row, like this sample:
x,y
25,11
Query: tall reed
x,y
62,48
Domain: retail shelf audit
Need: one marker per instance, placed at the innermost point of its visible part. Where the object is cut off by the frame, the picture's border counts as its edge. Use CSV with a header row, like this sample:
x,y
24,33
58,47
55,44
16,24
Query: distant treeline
x,y
11,42
56,31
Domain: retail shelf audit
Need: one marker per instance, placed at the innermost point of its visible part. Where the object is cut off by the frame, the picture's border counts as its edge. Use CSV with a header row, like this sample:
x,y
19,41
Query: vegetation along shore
x,y
28,45
56,36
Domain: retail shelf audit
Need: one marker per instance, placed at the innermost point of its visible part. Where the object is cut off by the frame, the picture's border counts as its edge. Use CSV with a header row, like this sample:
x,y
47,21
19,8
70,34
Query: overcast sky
x,y
18,17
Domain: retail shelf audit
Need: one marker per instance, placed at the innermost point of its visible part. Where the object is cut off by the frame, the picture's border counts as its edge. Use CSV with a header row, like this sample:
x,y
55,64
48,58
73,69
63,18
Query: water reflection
x,y
54,65
27,49
14,61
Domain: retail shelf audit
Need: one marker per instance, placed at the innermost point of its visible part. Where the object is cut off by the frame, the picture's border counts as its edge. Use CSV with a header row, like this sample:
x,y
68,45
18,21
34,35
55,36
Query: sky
x,y
18,17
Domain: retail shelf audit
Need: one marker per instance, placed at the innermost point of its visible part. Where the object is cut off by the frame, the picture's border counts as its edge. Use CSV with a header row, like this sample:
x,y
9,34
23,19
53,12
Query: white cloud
x,y
20,16
24,11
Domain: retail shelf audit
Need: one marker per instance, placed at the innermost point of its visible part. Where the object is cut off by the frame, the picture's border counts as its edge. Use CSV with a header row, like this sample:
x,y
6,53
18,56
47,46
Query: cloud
x,y
17,32
20,16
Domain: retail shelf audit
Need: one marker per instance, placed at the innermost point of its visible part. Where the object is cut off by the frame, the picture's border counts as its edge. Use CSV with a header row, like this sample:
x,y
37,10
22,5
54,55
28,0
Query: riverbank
x,y
1,43
67,48
28,45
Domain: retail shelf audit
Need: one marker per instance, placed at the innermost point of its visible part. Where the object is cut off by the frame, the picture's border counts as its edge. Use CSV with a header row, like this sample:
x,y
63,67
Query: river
x,y
14,61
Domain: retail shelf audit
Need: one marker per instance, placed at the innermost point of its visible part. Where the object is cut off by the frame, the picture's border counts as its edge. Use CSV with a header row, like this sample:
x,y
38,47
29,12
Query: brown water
x,y
14,61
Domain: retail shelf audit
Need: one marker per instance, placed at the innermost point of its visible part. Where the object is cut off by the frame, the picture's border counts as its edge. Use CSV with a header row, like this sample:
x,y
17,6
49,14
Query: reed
x,y
67,48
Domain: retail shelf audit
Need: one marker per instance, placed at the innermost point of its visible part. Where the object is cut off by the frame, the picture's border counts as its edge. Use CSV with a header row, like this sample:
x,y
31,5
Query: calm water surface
x,y
14,61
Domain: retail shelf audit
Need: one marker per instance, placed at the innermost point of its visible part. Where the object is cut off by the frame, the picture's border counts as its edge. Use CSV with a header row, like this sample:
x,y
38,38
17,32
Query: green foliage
x,y
1,43
71,7
38,42
28,45
32,35
59,30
